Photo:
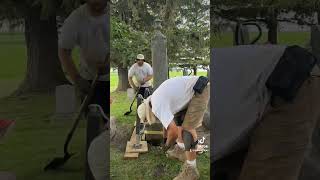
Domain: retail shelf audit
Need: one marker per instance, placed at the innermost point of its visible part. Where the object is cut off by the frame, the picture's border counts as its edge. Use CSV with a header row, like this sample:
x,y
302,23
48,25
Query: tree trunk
x,y
44,71
272,24
123,83
194,70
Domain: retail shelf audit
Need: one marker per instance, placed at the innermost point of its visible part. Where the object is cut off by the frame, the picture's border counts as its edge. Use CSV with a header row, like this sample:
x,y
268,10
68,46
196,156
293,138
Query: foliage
x,y
193,34
185,24
15,10
126,43
297,11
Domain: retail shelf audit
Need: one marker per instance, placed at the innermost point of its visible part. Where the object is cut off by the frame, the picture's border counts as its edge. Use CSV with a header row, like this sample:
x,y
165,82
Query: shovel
x,y
128,112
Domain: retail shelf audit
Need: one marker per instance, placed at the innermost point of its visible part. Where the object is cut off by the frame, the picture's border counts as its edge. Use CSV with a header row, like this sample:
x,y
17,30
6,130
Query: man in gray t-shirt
x,y
87,28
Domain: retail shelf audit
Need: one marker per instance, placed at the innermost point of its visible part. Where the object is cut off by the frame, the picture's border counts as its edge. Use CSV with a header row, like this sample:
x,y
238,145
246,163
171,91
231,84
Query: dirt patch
x,y
120,134
159,170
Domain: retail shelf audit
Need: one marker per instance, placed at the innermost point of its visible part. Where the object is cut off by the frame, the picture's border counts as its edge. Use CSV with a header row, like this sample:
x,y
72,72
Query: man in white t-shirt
x,y
87,28
143,73
180,109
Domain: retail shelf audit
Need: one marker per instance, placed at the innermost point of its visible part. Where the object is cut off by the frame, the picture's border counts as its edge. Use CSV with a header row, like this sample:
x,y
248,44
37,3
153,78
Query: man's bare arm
x,y
65,57
132,83
148,78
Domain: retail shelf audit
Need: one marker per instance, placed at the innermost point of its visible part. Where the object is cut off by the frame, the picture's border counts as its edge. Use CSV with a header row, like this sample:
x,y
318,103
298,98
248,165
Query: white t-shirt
x,y
239,92
91,35
141,72
172,96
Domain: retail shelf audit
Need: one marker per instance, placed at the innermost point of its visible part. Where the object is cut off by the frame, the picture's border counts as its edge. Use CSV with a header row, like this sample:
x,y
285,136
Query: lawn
x,y
36,139
288,38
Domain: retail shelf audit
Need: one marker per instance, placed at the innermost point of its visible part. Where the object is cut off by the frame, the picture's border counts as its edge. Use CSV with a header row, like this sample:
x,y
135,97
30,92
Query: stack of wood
x,y
131,151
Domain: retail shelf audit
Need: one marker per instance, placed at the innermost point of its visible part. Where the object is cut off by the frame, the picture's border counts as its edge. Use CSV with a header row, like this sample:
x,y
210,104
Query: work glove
x,y
82,85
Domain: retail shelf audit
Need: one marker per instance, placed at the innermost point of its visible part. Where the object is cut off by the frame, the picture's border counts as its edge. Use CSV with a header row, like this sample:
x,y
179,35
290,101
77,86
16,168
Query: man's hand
x,y
146,79
143,81
82,85
171,134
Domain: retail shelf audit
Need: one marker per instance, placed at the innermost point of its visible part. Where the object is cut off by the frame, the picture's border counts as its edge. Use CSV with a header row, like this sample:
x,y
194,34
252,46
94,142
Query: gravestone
x,y
159,56
7,176
113,126
206,117
185,72
243,35
130,94
65,102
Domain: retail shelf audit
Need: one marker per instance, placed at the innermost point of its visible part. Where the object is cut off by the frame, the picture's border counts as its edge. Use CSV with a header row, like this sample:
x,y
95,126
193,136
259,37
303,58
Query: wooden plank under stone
x,y
131,149
130,155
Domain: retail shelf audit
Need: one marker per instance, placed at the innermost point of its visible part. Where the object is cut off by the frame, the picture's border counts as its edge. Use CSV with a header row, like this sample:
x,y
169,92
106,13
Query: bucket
x,y
130,93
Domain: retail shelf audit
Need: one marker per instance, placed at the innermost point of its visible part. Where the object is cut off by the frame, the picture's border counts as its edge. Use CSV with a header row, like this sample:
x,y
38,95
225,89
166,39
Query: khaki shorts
x,y
279,143
196,109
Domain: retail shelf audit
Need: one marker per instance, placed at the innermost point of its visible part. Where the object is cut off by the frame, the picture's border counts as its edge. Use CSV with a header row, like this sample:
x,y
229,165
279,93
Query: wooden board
x,y
153,132
133,136
130,155
131,152
131,149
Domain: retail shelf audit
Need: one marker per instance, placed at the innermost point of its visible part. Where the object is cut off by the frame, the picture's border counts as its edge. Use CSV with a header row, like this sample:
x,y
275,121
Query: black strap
x,y
194,144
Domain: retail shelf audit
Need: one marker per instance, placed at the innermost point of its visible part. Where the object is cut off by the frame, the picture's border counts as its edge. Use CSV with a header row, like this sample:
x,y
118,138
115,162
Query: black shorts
x,y
143,91
101,96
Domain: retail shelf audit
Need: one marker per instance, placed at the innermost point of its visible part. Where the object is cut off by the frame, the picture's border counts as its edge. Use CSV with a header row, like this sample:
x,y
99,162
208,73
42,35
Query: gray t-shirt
x,y
90,34
239,94
141,72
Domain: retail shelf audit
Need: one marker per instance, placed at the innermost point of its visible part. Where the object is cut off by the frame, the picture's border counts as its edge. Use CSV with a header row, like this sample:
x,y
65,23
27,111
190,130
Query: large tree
x,y
43,71
191,44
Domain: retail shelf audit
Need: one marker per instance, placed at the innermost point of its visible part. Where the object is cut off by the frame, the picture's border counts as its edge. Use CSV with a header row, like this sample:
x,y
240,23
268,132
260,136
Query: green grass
x,y
286,38
35,140
146,166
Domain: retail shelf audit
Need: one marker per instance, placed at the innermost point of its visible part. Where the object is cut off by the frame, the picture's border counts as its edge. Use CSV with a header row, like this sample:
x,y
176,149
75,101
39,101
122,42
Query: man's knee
x,y
188,139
